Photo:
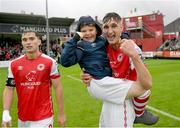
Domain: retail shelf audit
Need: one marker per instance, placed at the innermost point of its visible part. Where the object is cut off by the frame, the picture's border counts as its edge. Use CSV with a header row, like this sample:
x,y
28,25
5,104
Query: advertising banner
x,y
20,28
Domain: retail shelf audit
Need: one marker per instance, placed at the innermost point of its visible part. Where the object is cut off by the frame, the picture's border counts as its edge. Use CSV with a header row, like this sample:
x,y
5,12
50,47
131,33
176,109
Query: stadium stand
x,y
170,45
13,24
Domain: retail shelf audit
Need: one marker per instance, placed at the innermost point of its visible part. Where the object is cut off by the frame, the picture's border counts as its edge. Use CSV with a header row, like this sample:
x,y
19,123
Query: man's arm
x,y
7,102
59,98
8,97
144,80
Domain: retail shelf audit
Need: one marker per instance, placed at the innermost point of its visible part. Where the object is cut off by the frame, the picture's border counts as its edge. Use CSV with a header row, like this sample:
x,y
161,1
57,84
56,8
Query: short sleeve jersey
x,y
121,64
32,79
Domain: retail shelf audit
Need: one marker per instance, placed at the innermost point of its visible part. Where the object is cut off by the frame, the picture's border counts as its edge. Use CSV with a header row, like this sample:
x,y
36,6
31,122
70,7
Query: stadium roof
x,y
174,26
14,18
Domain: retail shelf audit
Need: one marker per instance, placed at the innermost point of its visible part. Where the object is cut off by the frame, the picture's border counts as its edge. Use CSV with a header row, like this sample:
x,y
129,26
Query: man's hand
x,y
61,120
128,47
85,77
6,119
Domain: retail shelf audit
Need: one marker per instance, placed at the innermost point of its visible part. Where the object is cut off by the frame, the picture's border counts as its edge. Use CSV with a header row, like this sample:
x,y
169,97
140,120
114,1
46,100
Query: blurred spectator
x,y
7,56
10,50
170,45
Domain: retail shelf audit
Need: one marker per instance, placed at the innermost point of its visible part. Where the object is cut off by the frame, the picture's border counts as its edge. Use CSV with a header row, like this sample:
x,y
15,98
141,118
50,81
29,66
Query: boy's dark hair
x,y
88,20
111,15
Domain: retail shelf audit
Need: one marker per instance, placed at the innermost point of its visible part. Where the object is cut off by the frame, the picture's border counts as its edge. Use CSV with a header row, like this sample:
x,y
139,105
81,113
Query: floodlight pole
x,y
47,29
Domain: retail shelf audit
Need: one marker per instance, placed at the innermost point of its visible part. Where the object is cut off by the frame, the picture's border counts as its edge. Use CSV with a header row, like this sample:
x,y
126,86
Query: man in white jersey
x,y
33,75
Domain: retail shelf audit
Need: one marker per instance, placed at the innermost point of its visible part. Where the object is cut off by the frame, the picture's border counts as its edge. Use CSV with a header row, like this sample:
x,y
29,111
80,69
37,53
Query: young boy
x,y
90,53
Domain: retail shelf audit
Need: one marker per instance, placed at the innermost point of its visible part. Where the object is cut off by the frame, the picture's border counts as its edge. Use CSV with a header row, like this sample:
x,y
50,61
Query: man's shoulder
x,y
47,59
44,56
18,59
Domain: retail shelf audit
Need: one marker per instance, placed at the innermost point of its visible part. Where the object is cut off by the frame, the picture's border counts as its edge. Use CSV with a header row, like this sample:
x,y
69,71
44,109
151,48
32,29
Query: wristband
x,y
6,116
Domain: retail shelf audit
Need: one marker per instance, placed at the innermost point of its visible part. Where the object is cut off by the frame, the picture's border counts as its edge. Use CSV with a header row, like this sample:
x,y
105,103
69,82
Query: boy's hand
x,y
80,34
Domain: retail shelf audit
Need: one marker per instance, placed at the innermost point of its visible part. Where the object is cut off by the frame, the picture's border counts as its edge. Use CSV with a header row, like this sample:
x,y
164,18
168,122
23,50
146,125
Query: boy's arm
x,y
71,53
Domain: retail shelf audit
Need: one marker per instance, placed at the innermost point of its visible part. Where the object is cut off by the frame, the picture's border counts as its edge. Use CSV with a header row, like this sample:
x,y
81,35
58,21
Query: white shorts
x,y
117,115
110,89
45,123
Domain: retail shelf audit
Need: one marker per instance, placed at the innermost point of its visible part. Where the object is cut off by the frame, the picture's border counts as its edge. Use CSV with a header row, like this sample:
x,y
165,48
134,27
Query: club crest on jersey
x,y
20,68
40,67
119,57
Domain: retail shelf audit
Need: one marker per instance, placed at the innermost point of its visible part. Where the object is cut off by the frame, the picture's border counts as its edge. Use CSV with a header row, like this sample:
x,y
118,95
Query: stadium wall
x,y
4,64
149,44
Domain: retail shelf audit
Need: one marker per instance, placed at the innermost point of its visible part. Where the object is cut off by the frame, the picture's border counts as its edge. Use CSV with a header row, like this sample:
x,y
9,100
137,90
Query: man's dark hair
x,y
38,35
111,15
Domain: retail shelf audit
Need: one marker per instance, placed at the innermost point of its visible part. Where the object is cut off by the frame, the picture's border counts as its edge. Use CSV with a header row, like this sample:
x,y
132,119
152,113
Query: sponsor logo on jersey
x,y
31,76
30,83
40,67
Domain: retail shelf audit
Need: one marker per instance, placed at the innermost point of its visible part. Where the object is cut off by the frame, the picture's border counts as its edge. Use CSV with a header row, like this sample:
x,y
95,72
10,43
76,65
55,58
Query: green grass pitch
x,y
83,111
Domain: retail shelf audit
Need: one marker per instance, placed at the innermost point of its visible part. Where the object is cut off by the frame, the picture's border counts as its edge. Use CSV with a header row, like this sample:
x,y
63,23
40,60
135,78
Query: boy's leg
x,y
110,89
142,115
140,103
